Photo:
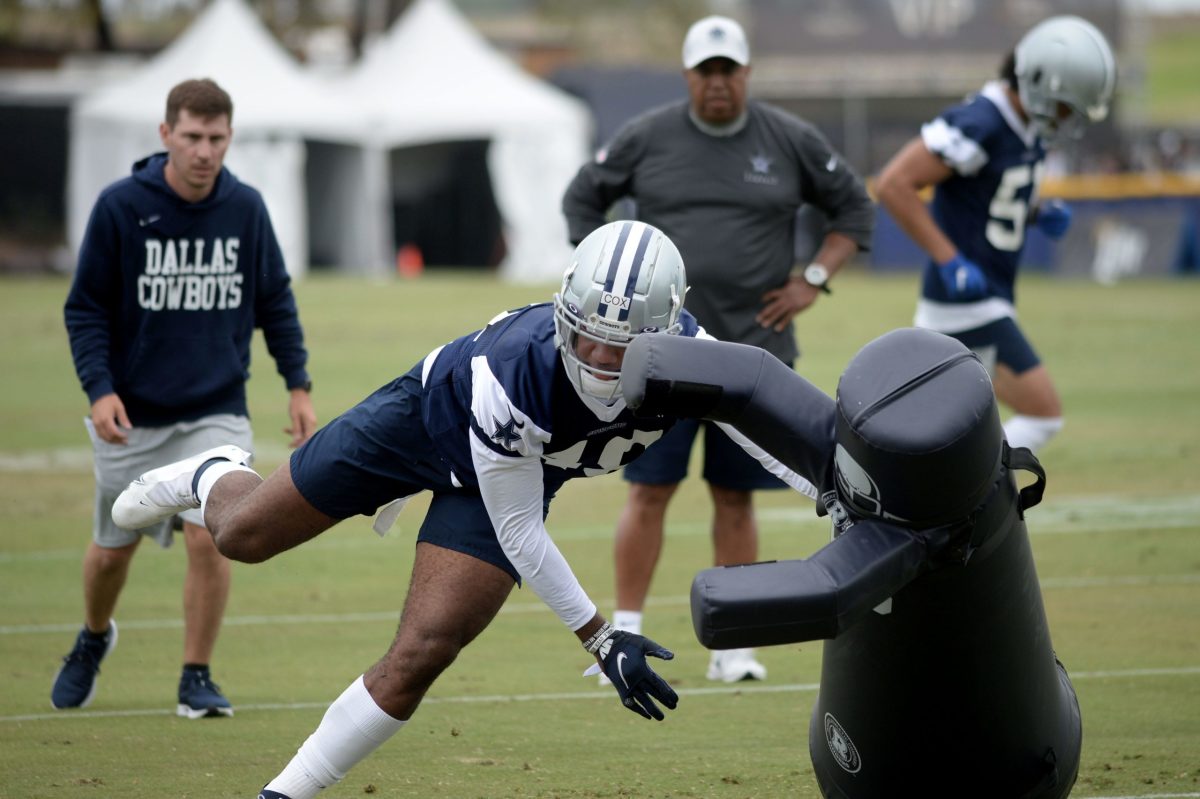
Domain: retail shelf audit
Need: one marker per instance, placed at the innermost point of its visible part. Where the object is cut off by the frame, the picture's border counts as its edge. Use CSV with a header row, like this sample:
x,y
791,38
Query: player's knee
x,y
416,661
112,560
237,541
651,497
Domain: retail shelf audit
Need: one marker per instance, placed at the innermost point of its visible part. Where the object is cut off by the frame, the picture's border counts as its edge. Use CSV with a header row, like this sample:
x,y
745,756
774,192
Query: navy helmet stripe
x,y
635,268
615,261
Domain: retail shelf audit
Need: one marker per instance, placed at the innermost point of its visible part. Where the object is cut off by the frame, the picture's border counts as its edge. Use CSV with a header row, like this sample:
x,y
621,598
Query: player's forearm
x,y
512,493
913,216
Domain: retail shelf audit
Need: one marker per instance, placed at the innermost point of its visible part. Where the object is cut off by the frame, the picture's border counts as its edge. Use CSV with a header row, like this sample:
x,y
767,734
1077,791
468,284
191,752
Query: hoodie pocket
x,y
185,371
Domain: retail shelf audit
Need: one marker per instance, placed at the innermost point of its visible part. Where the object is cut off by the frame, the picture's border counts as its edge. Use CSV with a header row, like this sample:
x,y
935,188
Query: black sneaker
x,y
199,696
75,683
265,794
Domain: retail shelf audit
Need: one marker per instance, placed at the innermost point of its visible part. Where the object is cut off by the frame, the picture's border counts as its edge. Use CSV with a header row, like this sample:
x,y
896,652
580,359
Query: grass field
x,y
1115,542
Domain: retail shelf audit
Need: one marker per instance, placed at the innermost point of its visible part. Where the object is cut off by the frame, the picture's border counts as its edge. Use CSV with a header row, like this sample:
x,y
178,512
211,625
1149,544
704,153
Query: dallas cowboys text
x,y
190,275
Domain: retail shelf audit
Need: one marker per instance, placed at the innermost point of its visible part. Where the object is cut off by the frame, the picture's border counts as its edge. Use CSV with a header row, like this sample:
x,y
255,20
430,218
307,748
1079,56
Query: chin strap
x,y
606,391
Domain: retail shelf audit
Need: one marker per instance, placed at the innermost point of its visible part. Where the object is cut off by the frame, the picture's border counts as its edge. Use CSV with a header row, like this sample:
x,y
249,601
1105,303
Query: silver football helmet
x,y
626,278
1065,76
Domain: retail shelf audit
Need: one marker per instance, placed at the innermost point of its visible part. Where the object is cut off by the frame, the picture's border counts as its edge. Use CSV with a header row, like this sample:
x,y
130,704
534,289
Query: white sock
x,y
628,620
210,477
353,727
1032,432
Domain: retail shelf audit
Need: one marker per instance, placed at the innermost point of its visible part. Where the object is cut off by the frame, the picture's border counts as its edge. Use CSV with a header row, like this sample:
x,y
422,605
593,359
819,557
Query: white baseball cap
x,y
715,37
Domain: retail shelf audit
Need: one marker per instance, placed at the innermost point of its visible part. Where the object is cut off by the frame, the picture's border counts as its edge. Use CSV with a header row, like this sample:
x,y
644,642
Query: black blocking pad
x,y
918,430
745,386
783,602
938,678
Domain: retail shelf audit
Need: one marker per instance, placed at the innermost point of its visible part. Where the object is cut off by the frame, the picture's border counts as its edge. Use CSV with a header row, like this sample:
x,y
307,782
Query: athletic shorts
x,y
1000,342
726,465
379,451
117,465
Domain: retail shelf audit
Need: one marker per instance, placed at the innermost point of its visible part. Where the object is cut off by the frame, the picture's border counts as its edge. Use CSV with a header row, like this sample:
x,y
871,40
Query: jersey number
x,y
1009,209
609,459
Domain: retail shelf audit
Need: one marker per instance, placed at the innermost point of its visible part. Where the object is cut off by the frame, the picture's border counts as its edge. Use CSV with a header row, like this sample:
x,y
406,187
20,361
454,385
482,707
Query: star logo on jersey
x,y
506,433
760,171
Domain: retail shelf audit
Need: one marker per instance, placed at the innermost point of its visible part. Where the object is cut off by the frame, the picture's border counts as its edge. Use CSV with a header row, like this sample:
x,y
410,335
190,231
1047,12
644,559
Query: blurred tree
x,y
625,31
373,16
103,31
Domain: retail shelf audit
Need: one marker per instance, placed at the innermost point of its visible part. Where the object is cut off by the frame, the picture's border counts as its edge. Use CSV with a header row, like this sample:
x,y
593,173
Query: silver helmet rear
x,y
1065,74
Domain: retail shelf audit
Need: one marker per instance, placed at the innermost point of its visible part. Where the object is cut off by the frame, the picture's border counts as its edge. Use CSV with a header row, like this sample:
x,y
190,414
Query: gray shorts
x,y
117,465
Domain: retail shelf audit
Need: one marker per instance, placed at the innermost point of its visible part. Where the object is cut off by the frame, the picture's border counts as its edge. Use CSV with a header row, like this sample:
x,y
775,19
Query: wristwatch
x,y
817,275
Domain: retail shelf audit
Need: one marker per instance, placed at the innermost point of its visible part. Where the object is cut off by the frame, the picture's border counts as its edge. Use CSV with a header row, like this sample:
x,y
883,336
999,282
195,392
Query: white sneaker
x,y
735,665
163,492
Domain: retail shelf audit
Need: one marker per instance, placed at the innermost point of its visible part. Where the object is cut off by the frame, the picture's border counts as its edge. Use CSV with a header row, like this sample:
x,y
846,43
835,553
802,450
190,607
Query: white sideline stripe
x,y
79,459
1073,515
1058,515
721,690
1049,583
1147,796
1067,516
1078,516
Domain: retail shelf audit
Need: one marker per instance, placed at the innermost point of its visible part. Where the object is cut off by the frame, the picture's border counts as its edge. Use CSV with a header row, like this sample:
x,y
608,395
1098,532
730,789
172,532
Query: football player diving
x,y
492,424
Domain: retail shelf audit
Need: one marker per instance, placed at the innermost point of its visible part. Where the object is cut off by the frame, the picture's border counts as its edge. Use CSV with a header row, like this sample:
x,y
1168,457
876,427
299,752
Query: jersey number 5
x,y
1010,206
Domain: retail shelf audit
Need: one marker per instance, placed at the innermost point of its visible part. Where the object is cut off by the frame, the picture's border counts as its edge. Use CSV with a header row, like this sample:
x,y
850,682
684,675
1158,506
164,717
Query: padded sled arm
x,y
784,602
746,386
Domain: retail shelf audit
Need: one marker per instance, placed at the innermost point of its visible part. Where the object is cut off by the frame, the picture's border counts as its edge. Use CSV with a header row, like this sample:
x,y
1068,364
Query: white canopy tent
x,y
276,107
434,78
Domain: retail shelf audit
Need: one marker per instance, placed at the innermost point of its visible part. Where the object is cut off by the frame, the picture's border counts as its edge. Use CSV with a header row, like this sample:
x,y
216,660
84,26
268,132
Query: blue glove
x,y
963,279
1053,218
623,659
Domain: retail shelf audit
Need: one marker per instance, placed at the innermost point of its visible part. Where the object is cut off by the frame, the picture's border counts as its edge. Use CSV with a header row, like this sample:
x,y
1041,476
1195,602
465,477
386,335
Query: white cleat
x,y
735,665
163,492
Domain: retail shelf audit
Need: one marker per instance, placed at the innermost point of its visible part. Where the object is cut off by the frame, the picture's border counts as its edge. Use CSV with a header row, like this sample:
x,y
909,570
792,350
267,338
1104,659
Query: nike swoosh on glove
x,y
623,658
1053,218
963,279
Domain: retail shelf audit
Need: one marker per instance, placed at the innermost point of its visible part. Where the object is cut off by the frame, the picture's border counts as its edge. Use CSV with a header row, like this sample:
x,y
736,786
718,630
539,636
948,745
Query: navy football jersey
x,y
506,385
984,207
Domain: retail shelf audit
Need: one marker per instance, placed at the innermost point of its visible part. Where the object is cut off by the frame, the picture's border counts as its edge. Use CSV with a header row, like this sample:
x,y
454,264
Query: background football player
x,y
985,159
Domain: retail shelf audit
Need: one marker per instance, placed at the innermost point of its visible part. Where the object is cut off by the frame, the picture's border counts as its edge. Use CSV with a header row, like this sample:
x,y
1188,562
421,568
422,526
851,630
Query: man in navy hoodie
x,y
178,265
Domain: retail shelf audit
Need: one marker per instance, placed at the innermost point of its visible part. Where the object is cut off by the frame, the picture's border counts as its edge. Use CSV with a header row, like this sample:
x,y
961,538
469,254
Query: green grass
x,y
1172,64
1115,544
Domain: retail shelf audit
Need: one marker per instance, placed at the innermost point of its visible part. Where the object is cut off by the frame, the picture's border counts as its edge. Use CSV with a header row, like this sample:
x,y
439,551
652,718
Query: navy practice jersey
x,y
506,386
503,414
984,207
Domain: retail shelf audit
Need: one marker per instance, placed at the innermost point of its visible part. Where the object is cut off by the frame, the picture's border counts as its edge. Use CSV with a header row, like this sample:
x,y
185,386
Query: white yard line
x,y
1050,583
1146,796
570,696
1068,516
